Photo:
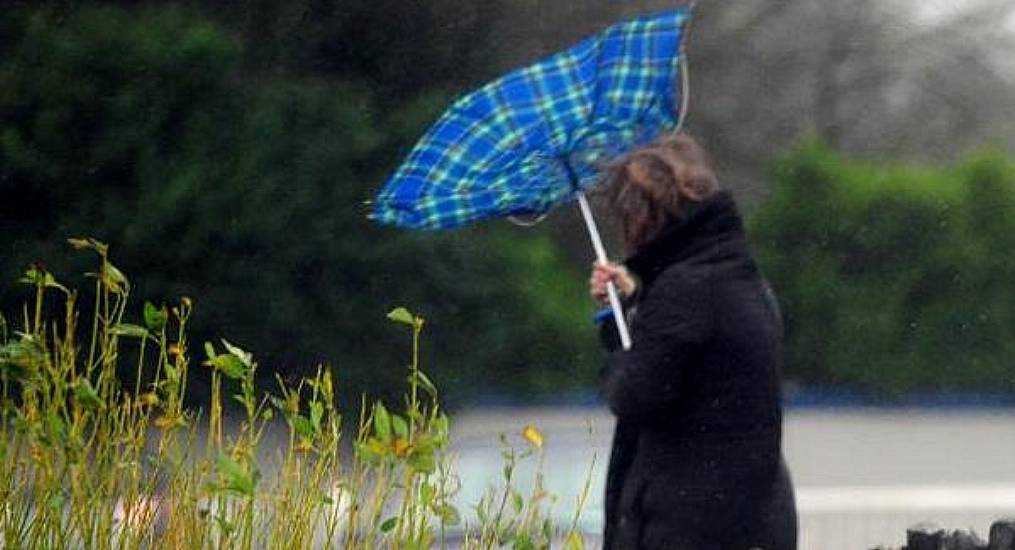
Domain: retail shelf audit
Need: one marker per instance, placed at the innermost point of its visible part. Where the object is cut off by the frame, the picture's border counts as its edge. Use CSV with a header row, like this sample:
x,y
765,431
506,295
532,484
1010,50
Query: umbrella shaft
x,y
597,244
590,223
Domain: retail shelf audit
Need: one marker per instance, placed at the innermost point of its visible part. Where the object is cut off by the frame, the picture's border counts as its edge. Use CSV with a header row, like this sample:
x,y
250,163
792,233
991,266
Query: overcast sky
x,y
930,12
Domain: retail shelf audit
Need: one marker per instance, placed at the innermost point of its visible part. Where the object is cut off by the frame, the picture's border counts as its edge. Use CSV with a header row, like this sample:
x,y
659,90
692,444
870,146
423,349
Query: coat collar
x,y
713,222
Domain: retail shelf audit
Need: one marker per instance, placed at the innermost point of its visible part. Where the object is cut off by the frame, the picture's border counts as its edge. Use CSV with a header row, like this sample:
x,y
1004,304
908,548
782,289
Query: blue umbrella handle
x,y
611,289
602,314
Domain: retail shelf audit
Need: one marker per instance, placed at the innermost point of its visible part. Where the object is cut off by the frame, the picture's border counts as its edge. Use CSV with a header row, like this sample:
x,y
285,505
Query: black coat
x,y
696,461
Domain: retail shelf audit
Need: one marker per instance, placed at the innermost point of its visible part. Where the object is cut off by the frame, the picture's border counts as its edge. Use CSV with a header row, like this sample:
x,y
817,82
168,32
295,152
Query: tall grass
x,y
88,463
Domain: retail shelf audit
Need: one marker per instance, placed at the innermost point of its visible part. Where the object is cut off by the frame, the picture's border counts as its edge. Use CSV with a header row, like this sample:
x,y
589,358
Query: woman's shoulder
x,y
682,278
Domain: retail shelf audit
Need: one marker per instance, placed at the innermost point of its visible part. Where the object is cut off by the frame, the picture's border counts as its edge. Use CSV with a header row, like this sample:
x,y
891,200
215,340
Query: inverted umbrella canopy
x,y
538,136
534,138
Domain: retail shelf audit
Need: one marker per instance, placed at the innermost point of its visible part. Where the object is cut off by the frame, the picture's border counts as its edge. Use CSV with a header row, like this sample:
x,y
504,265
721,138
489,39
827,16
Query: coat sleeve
x,y
672,322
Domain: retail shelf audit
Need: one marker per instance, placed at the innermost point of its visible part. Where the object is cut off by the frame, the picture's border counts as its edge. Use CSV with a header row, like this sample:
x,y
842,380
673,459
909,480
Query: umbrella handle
x,y
611,289
618,316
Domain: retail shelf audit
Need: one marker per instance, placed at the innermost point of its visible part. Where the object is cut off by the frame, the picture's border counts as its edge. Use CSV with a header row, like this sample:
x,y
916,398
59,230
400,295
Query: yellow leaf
x,y
377,446
533,435
401,447
574,542
169,421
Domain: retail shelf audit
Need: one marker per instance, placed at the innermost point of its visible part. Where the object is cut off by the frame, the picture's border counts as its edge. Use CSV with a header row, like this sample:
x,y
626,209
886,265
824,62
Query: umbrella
x,y
538,137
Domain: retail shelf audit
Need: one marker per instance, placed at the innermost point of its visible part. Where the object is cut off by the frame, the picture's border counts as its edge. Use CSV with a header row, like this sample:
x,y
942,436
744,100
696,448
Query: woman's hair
x,y
657,185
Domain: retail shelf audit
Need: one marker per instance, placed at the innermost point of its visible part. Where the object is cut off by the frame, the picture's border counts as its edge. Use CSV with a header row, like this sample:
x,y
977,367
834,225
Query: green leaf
x,y
30,277
237,364
236,479
416,415
368,453
21,425
389,524
155,318
82,243
55,502
86,395
547,528
26,354
129,330
400,426
449,514
55,426
425,441
422,460
169,386
224,523
172,374
278,403
401,315
425,383
303,427
38,276
427,492
517,502
382,423
522,542
441,429
479,508
113,278
229,365
316,414
245,357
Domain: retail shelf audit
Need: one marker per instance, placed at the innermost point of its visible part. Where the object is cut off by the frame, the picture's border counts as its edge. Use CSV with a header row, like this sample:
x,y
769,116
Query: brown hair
x,y
656,185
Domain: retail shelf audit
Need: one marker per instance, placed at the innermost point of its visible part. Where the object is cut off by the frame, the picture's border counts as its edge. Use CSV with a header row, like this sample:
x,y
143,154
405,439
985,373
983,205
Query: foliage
x,y
398,47
893,278
143,128
87,463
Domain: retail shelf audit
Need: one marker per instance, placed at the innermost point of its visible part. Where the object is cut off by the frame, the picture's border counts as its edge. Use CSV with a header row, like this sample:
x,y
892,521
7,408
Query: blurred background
x,y
224,149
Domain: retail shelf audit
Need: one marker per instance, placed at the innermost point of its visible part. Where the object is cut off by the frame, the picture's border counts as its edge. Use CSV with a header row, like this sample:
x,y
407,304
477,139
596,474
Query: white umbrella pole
x,y
597,244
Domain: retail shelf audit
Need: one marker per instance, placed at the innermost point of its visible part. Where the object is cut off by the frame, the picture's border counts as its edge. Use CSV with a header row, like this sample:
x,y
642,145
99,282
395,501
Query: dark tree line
x,y
160,130
224,149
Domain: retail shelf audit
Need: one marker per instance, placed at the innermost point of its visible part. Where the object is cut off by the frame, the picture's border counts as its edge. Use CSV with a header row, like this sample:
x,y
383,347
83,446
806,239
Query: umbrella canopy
x,y
536,137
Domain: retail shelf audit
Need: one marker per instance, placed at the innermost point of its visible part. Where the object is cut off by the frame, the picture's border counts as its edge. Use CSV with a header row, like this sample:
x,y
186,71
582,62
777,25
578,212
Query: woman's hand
x,y
603,273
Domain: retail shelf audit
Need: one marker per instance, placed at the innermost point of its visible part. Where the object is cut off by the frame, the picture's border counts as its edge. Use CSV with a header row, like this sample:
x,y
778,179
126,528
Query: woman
x,y
696,461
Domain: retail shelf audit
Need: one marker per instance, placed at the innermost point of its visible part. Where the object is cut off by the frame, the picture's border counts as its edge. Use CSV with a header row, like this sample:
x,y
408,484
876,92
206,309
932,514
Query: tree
x,y
246,194
893,279
860,77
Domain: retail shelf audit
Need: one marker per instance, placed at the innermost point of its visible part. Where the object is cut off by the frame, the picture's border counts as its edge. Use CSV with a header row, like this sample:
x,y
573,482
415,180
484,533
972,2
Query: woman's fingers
x,y
598,282
597,288
618,274
604,273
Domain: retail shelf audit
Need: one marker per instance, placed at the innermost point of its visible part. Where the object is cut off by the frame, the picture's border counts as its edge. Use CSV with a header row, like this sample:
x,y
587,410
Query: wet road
x,y
862,475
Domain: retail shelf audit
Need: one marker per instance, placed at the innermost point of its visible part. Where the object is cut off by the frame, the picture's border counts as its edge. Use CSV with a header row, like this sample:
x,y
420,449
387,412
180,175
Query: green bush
x,y
142,129
87,463
893,278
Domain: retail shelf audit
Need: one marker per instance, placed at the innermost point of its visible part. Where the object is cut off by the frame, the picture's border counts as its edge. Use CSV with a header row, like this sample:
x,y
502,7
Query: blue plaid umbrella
x,y
537,137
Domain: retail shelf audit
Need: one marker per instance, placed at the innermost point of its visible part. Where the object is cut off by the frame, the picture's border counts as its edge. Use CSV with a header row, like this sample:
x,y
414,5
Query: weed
x,y
87,463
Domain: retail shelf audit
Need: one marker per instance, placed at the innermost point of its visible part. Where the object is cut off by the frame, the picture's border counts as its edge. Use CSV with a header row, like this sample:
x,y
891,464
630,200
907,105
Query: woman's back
x,y
699,396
